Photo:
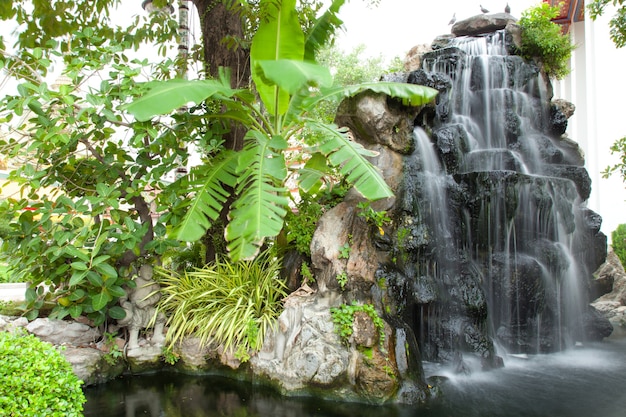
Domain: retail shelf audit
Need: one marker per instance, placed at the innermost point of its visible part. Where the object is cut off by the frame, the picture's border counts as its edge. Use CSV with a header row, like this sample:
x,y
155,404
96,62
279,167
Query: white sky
x,y
395,26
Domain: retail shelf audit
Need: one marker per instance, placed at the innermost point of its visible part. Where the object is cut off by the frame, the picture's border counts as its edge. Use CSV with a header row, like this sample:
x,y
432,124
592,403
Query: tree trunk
x,y
219,24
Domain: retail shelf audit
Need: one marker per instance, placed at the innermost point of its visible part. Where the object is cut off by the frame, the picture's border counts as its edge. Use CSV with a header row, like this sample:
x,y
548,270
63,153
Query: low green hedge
x,y
36,379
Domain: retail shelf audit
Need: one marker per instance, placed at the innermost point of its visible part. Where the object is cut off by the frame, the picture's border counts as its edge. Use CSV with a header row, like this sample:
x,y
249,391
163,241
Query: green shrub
x,y
230,303
543,39
618,239
36,380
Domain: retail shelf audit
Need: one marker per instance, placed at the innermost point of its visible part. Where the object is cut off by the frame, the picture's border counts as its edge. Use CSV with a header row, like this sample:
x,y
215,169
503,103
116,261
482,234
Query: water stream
x,y
502,212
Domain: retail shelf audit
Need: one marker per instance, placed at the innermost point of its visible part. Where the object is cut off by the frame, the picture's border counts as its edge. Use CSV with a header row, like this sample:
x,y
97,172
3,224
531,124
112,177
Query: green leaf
x,y
260,210
107,270
77,277
117,313
165,96
323,29
116,291
76,253
75,310
279,36
95,279
79,266
30,295
410,94
99,259
210,183
315,168
349,157
292,76
100,300
77,294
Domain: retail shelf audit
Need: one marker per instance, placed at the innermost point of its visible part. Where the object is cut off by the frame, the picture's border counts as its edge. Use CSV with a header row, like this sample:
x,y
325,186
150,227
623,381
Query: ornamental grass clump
x,y
36,380
232,304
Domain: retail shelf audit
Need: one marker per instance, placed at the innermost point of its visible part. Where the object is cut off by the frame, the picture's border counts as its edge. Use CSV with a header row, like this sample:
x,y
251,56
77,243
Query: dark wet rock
x,y
558,121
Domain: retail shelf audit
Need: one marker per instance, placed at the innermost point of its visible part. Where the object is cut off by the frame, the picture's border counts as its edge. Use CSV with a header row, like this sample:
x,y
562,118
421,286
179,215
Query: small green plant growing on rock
x,y
543,39
373,217
307,275
342,279
344,251
114,353
169,356
36,379
343,318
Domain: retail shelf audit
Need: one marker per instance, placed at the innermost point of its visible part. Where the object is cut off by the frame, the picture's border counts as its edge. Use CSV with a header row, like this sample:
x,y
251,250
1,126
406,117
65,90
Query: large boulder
x,y
61,332
482,23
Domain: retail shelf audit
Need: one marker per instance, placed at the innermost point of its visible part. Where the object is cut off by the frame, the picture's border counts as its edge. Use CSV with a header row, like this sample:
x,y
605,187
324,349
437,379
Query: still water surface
x,y
584,382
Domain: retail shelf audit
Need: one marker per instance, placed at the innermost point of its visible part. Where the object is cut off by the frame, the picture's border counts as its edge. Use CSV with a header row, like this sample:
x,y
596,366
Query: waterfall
x,y
494,225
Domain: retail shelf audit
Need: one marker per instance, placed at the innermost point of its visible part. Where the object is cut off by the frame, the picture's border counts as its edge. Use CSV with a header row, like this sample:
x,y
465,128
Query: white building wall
x,y
597,87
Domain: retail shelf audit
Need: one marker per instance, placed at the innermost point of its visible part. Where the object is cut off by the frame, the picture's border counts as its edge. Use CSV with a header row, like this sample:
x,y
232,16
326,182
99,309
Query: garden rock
x,y
304,351
61,332
90,365
482,23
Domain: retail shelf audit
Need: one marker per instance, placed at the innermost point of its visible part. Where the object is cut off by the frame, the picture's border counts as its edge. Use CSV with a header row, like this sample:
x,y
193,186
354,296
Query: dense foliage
x,y
36,380
290,86
99,191
542,39
618,21
618,242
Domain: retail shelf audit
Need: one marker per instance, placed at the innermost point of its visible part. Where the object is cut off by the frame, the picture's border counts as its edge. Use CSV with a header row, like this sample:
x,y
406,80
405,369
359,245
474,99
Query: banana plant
x,y
289,84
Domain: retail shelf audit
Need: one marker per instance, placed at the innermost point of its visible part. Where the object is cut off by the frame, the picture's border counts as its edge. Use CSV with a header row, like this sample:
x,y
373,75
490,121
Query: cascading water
x,y
493,235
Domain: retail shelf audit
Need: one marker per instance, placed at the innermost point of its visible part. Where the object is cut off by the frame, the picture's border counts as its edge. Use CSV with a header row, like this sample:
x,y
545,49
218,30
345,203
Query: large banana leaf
x,y
350,157
165,96
292,76
325,26
410,94
278,37
262,202
207,181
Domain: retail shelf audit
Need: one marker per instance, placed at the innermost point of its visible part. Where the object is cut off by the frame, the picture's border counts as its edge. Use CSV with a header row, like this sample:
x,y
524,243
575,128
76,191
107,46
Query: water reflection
x,y
577,383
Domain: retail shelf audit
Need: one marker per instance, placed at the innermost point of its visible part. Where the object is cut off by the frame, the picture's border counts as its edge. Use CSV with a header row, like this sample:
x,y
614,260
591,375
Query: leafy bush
x,y
231,303
543,39
618,238
36,379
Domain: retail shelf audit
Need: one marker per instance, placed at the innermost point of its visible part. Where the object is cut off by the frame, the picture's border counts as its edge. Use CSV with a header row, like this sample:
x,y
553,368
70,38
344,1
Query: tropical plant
x,y
36,379
542,39
618,21
618,242
233,304
289,84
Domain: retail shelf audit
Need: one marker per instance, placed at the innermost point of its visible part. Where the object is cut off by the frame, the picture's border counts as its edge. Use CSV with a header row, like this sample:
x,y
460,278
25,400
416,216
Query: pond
x,y
582,382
